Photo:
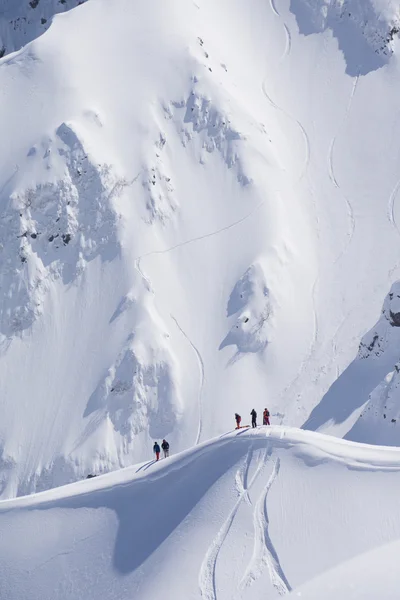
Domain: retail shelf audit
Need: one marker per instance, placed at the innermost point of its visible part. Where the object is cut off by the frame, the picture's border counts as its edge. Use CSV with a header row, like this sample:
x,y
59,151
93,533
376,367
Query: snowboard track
x,y
288,43
351,217
299,125
273,8
202,378
286,52
334,179
242,477
264,553
391,207
350,211
303,173
207,575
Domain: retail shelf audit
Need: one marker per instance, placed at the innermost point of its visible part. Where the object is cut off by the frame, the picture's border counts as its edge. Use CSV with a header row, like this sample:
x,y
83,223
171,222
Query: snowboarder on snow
x,y
266,417
156,450
165,447
253,418
238,418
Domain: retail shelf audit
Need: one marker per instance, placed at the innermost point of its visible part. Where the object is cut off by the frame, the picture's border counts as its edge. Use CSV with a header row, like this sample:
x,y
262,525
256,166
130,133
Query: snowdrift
x,y
250,514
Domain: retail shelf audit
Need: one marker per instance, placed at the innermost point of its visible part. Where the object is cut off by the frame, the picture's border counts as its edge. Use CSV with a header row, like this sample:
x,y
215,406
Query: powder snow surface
x,y
249,515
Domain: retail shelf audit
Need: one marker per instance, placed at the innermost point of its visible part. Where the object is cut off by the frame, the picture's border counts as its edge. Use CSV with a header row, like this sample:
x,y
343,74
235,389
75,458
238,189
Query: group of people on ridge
x,y
238,419
157,449
253,414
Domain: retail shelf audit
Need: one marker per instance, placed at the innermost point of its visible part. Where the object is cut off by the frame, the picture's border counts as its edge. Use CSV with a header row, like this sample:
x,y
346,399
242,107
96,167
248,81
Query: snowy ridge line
x,y
264,553
207,575
307,444
202,379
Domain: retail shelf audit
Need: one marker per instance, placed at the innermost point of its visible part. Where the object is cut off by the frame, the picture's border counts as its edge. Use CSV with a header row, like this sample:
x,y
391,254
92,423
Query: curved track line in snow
x,y
199,238
242,476
288,44
273,8
334,179
350,212
202,379
264,553
391,205
207,576
299,125
286,52
311,350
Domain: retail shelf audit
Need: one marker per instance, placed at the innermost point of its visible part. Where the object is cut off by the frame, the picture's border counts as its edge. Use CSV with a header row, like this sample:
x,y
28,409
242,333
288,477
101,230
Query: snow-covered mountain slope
x,y
21,21
365,394
237,517
366,577
193,202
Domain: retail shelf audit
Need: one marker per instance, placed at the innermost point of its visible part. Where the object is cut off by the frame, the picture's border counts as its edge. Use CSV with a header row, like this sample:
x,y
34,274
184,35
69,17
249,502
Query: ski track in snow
x,y
350,211
202,379
334,179
299,125
286,52
242,476
196,239
207,576
264,553
391,206
288,44
273,8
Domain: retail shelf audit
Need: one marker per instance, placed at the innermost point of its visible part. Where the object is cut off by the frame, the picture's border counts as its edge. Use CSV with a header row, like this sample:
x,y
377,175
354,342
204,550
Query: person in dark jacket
x,y
253,418
238,419
165,447
266,416
156,450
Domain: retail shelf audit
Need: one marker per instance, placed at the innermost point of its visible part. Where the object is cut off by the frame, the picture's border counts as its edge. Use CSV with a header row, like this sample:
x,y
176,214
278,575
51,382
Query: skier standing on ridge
x,y
253,418
165,447
156,450
266,417
238,418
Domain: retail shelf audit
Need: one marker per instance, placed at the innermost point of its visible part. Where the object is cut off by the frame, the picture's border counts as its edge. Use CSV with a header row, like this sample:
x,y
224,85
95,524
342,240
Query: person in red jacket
x,y
266,417
238,419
